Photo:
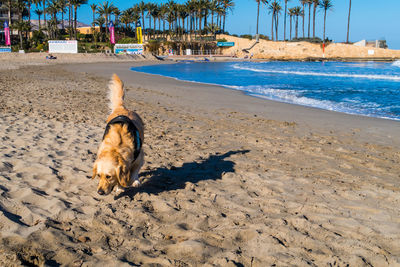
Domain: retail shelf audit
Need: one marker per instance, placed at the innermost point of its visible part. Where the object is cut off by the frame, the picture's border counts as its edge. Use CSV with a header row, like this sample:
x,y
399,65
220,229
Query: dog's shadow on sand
x,y
167,179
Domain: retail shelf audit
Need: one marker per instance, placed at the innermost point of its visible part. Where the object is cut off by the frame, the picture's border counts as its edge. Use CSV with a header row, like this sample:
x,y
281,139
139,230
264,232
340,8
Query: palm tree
x,y
44,12
183,14
100,21
163,15
61,6
348,23
20,25
309,3
227,5
297,12
52,9
303,3
214,6
274,8
315,5
9,7
325,5
94,8
291,15
77,4
105,10
39,13
116,13
127,18
155,11
150,8
284,24
29,4
258,11
142,8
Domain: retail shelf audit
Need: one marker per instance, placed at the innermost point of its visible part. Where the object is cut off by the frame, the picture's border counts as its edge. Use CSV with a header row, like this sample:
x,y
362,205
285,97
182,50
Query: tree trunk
x,y
276,25
315,10
149,27
69,20
9,13
309,19
348,23
324,24
272,26
144,30
224,23
20,38
303,15
106,18
297,27
290,18
258,14
284,23
75,19
44,13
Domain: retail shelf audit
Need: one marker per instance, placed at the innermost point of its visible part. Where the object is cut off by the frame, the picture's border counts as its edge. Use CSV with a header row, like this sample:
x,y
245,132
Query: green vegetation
x,y
194,20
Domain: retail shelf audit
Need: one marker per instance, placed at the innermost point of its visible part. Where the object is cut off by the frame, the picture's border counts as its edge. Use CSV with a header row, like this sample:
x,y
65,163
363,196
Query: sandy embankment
x,y
17,60
304,50
229,180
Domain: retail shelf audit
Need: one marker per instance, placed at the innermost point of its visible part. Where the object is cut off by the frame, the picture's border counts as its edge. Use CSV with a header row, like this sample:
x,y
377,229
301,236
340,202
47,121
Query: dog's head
x,y
111,172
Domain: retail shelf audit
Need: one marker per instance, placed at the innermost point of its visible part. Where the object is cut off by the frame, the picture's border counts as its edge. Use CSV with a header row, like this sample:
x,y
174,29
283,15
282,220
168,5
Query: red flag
x,y
7,33
112,32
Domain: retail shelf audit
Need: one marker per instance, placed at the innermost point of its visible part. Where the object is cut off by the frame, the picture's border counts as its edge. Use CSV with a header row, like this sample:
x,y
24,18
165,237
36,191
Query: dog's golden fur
x,y
115,164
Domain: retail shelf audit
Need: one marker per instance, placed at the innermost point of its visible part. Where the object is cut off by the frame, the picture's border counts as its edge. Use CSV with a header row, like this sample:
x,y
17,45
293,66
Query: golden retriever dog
x,y
120,155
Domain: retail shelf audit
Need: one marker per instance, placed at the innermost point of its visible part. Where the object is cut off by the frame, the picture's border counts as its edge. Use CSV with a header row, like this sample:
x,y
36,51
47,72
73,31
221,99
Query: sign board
x,y
371,52
136,49
225,44
5,49
63,46
188,52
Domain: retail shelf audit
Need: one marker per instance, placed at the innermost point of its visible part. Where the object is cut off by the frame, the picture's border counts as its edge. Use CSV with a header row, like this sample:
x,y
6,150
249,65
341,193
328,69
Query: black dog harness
x,y
137,142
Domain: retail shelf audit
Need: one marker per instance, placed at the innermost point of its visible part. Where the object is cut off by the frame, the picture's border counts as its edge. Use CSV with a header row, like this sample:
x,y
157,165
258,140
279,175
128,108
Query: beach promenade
x,y
228,180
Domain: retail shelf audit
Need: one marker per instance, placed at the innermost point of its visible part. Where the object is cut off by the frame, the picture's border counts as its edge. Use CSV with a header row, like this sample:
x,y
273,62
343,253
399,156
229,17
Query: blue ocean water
x,y
368,88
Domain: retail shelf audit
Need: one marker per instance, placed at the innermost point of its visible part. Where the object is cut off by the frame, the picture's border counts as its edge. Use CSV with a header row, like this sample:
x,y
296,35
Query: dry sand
x,y
229,180
304,50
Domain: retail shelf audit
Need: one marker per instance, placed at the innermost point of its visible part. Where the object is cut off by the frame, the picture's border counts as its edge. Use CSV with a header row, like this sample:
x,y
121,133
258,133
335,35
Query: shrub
x,y
264,37
153,46
222,40
247,36
127,40
315,40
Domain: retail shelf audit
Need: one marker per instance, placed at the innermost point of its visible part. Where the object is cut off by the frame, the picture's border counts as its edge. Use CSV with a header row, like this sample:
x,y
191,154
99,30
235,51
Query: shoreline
x,y
263,97
221,97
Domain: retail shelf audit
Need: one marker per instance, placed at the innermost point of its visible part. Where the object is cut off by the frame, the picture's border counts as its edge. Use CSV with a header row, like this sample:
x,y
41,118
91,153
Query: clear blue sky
x,y
370,19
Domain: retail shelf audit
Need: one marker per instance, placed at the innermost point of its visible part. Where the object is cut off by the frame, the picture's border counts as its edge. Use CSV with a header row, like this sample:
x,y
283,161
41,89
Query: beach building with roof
x,y
81,27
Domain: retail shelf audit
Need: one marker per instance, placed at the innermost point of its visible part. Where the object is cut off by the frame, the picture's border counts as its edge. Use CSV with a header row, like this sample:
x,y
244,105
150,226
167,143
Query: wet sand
x,y
229,179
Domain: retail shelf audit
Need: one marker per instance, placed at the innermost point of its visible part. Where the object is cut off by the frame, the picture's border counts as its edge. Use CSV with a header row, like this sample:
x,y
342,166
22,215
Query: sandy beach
x,y
228,180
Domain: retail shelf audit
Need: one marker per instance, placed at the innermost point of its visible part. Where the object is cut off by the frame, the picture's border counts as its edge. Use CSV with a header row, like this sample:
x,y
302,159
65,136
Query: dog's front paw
x,y
136,183
119,189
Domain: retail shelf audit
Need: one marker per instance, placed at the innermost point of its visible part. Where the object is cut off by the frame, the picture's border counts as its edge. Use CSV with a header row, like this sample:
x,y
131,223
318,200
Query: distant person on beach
x,y
50,56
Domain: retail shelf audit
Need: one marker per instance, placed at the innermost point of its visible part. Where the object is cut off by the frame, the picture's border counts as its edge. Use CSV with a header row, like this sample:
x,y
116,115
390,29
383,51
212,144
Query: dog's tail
x,y
117,93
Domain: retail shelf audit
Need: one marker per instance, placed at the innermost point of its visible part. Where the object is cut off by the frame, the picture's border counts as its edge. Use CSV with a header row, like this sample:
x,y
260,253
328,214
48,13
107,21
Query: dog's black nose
x,y
100,191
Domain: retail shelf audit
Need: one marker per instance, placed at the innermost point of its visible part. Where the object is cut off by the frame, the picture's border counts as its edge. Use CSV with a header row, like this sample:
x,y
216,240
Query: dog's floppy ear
x,y
123,175
94,170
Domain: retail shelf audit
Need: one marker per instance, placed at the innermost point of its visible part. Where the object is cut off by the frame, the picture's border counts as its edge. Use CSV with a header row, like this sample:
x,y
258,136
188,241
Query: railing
x,y
203,52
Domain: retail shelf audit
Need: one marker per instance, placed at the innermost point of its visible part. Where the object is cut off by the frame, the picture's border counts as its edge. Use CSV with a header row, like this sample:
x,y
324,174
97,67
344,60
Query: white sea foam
x,y
322,74
295,97
396,63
